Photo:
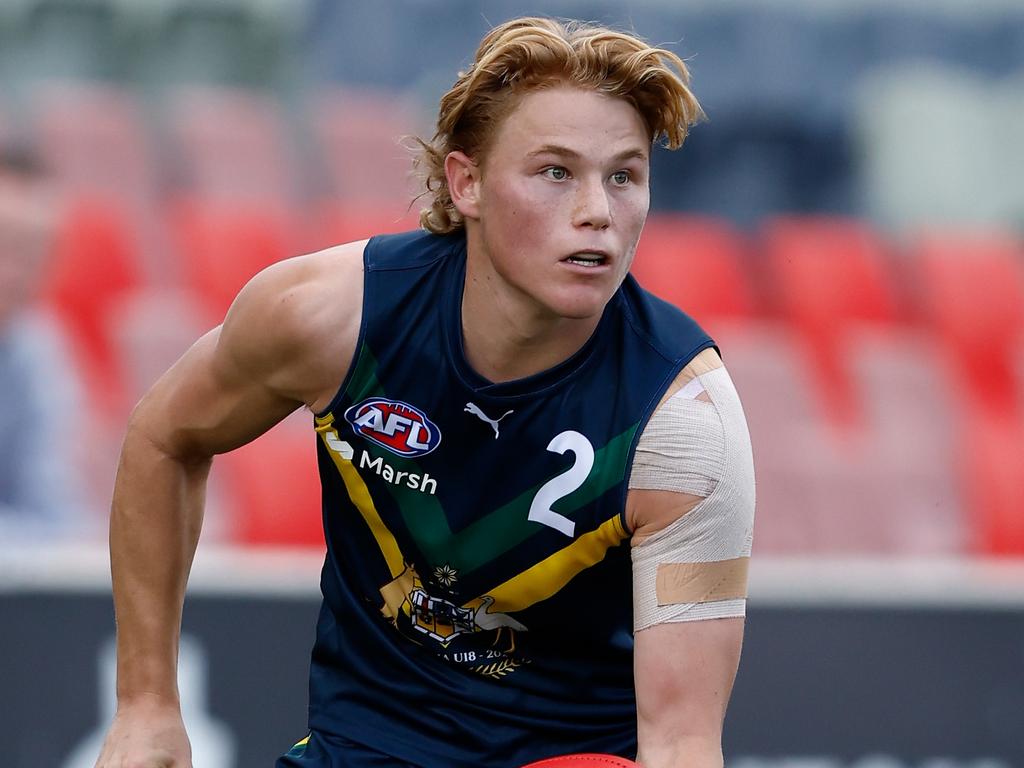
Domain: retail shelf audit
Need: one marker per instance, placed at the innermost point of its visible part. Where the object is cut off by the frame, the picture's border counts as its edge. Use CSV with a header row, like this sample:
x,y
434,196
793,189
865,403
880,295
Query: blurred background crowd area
x,y
848,224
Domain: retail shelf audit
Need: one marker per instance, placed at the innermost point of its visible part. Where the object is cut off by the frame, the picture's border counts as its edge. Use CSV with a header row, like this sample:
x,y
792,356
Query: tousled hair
x,y
531,53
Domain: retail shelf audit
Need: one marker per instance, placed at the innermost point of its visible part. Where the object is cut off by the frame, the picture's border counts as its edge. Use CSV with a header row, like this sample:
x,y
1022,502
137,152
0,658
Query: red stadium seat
x,y
792,449
336,222
696,263
889,486
150,328
231,143
830,270
360,134
828,275
95,263
222,244
973,290
94,136
992,458
273,488
95,141
908,489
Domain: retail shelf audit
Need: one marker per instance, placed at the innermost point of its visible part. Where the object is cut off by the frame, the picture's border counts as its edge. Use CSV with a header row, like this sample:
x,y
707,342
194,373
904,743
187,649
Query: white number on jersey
x,y
562,485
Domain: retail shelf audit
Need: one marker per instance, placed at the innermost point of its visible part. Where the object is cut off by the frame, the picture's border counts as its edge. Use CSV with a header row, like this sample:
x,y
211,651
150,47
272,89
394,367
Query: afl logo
x,y
395,425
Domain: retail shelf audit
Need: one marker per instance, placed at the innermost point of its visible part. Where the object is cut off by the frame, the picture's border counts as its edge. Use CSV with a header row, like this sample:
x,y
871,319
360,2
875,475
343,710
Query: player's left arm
x,y
691,510
683,675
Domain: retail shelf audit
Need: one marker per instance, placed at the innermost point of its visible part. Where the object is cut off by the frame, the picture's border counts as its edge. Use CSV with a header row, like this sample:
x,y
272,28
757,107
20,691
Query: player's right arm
x,y
285,343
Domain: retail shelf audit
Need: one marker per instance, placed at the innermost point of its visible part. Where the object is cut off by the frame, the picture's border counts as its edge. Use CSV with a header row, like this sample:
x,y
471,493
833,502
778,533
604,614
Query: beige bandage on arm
x,y
696,567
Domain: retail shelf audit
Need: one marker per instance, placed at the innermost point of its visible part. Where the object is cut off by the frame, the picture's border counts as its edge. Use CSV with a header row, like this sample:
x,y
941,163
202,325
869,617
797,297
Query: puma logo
x,y
475,410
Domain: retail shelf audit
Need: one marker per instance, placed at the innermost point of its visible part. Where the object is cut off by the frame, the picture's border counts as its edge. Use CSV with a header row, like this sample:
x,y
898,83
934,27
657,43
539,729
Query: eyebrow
x,y
557,149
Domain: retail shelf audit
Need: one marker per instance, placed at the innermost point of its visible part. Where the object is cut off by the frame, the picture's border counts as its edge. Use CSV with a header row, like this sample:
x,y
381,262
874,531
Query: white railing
x,y
812,581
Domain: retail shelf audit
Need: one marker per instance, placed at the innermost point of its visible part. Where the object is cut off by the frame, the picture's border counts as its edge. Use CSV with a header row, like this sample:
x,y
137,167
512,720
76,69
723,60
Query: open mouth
x,y
587,259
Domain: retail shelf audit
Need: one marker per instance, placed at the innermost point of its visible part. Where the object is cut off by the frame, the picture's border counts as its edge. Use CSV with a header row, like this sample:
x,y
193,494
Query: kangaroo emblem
x,y
475,410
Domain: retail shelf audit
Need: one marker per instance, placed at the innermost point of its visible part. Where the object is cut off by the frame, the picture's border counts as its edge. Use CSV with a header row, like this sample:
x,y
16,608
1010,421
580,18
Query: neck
x,y
506,334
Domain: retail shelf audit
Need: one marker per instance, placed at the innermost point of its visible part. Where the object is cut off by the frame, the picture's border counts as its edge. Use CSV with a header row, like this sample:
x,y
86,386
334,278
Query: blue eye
x,y
620,177
557,173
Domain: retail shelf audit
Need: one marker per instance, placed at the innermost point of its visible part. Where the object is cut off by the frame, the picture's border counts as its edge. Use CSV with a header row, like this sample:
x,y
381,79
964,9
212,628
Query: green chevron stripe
x,y
507,526
501,529
363,383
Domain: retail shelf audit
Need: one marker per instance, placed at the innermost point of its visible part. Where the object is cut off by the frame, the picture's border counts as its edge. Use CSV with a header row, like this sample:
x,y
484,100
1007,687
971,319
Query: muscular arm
x,y
284,343
691,509
683,675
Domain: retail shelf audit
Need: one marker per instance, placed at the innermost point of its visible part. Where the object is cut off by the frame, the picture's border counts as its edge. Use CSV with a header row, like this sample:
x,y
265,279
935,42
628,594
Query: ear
x,y
463,176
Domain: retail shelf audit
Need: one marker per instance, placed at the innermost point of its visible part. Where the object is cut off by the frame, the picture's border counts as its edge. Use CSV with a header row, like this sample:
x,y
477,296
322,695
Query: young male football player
x,y
537,479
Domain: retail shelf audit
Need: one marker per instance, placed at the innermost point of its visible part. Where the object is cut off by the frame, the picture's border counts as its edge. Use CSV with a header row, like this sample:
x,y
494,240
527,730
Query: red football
x,y
584,760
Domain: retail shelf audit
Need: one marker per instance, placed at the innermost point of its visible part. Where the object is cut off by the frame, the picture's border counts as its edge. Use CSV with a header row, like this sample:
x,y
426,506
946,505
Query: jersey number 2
x,y
562,485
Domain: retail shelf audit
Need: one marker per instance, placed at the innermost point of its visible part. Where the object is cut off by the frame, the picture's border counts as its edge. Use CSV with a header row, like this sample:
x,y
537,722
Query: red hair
x,y
531,53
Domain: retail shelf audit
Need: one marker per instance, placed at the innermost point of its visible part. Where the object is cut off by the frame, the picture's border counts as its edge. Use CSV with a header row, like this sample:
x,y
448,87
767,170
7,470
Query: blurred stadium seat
x,y
230,143
151,327
274,488
906,451
828,269
96,140
972,286
221,244
828,275
991,458
95,136
95,262
887,485
335,221
697,263
360,134
791,446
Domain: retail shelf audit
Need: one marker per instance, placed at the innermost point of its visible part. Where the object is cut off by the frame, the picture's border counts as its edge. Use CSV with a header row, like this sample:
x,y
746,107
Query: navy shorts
x,y
324,751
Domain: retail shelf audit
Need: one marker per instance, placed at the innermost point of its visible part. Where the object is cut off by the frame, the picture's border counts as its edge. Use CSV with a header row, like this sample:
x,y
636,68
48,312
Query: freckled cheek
x,y
523,214
632,214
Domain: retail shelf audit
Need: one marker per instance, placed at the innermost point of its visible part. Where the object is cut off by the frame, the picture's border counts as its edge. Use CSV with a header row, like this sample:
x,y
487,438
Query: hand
x,y
148,733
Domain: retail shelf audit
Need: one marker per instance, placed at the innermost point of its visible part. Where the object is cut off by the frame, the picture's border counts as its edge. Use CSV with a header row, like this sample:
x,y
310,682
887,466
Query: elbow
x,y
151,432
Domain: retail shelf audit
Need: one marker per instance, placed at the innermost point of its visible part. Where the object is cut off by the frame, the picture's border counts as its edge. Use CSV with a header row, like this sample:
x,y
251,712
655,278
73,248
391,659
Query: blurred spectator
x,y
40,479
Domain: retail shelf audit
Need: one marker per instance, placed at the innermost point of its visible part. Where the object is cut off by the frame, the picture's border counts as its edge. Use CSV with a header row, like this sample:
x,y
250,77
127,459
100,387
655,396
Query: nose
x,y
592,208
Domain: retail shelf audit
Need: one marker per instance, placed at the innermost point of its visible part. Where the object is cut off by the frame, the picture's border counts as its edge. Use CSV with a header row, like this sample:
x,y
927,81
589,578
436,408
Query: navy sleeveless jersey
x,y
477,587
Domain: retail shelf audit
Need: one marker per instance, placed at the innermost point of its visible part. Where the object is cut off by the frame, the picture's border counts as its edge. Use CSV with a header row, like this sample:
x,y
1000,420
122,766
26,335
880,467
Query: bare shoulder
x,y
295,325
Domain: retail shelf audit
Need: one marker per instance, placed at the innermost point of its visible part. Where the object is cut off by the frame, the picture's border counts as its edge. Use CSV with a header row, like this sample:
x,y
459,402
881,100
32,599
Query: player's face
x,y
563,198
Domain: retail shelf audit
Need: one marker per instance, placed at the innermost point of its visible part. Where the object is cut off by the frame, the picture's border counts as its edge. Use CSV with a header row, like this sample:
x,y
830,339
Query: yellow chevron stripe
x,y
302,743
548,576
360,496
